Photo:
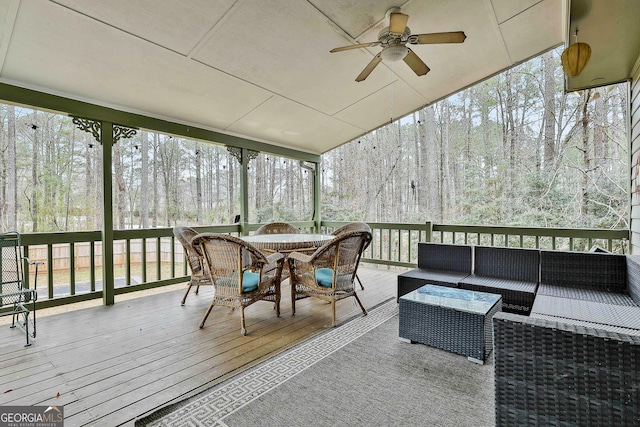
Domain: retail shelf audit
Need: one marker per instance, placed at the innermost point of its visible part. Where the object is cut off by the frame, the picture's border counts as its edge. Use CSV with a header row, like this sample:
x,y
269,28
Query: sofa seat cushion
x,y
517,295
587,311
416,278
436,276
583,324
586,294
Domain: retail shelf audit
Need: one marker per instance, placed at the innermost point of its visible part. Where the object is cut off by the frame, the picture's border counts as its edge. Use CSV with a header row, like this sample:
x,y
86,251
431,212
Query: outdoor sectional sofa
x,y
438,264
575,359
510,272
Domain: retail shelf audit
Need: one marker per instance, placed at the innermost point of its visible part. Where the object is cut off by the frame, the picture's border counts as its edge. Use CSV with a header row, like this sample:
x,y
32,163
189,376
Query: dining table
x,y
286,243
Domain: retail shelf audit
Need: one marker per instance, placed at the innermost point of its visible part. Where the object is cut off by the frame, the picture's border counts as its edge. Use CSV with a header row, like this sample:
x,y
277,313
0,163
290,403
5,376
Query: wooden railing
x,y
150,258
396,243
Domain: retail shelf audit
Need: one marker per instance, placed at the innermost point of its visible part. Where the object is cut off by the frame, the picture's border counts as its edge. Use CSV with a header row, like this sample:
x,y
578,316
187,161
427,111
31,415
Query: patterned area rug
x,y
214,405
358,374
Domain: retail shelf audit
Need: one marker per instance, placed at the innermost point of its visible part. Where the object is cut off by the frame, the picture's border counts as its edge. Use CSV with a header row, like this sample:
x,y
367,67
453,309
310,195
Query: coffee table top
x,y
453,298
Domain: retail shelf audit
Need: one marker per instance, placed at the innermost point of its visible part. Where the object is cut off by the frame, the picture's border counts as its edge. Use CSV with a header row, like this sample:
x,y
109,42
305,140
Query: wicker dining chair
x,y
199,270
354,226
239,273
278,228
328,273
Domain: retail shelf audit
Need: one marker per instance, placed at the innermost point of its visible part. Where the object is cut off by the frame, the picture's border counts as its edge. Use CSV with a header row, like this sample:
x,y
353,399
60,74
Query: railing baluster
x,y
158,259
72,268
173,256
50,270
127,261
92,264
144,260
25,267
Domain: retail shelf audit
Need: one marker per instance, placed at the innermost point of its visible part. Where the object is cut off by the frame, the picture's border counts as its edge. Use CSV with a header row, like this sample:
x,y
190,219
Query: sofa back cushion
x,y
508,263
633,277
440,256
584,269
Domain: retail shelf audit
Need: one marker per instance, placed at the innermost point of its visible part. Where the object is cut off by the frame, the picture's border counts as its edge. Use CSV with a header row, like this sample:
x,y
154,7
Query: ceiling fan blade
x,y
353,46
416,64
369,68
398,22
436,38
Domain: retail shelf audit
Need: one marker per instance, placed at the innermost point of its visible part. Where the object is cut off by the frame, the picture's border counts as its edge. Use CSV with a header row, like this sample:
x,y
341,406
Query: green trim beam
x,y
72,107
108,283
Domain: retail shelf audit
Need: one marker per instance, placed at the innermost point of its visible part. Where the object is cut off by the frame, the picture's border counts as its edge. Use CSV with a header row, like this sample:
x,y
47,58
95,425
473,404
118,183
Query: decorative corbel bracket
x,y
94,127
88,125
120,131
237,153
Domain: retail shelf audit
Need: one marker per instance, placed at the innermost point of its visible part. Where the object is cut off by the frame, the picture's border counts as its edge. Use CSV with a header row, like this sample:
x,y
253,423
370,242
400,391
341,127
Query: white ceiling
x,y
612,29
262,68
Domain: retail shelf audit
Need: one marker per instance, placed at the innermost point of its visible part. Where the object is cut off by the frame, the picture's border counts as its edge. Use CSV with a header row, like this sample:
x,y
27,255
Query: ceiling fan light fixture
x,y
394,53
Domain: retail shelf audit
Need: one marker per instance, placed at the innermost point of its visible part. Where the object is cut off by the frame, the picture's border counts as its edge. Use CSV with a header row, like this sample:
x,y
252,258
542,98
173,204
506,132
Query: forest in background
x,y
51,172
512,150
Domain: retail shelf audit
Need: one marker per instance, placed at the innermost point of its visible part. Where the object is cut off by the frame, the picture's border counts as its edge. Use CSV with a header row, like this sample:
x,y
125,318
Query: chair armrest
x,y
274,258
32,262
299,256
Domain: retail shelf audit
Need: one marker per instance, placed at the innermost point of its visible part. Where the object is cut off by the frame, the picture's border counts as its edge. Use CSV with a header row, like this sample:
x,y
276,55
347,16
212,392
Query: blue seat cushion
x,y
324,277
249,281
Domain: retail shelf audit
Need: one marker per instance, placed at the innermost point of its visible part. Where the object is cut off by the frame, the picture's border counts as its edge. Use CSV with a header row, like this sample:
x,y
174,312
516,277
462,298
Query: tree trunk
x,y
144,180
432,162
549,99
12,173
156,195
586,158
199,183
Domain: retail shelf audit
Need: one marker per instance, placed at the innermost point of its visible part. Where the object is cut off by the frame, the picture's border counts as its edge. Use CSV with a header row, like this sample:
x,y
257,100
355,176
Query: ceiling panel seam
x,y
9,23
117,28
249,112
519,13
232,10
338,29
496,28
263,88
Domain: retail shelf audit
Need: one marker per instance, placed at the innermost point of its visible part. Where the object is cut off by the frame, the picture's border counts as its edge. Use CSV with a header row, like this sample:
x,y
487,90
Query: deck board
x,y
113,364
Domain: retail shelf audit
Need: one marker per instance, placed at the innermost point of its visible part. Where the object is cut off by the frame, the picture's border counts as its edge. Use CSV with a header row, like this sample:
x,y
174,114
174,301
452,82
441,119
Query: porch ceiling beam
x,y
72,107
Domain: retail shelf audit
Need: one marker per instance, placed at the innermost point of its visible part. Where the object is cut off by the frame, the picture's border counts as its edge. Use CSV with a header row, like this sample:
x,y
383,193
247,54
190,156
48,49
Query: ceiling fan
x,y
394,39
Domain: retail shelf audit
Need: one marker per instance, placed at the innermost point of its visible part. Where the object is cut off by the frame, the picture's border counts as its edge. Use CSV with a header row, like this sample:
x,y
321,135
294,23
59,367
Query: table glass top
x,y
287,238
457,299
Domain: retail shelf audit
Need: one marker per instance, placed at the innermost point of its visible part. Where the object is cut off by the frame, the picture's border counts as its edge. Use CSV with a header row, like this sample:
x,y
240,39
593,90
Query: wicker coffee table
x,y
455,320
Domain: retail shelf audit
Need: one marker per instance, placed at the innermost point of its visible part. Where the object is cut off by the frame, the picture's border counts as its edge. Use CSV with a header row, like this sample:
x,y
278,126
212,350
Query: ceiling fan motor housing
x,y
387,38
394,53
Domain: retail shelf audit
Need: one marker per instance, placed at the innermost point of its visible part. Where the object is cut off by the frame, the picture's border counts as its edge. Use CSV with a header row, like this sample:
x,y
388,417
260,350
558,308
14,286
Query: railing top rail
x,y
381,225
535,231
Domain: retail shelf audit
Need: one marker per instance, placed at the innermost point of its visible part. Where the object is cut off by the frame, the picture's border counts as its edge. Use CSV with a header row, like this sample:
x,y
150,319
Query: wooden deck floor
x,y
109,365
